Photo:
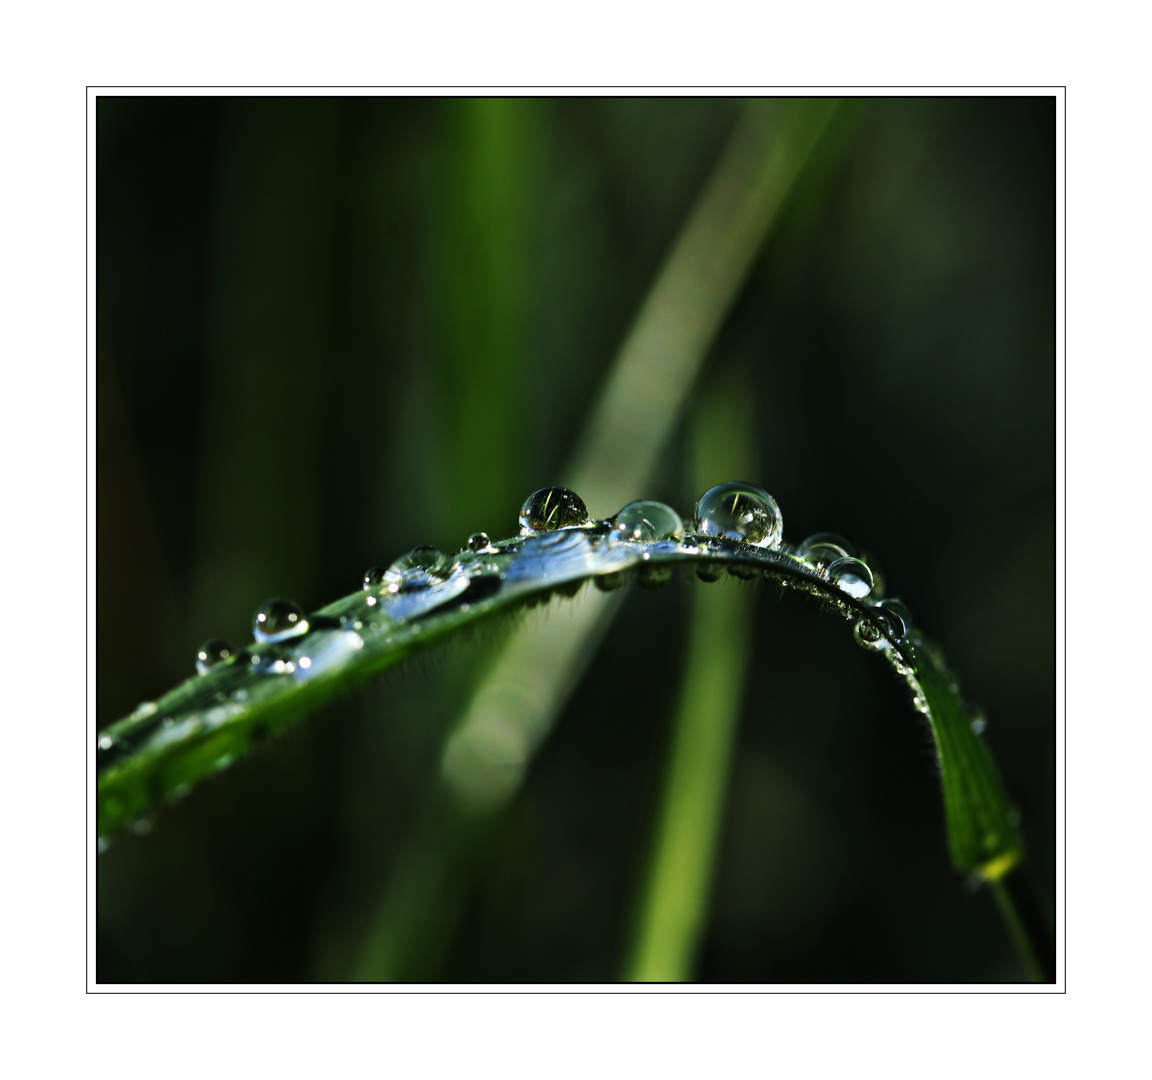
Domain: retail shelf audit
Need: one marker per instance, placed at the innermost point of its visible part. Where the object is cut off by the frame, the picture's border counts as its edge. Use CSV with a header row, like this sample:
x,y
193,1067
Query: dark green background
x,y
331,329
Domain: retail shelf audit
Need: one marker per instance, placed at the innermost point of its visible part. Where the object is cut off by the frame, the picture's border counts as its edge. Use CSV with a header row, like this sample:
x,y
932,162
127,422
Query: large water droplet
x,y
480,542
552,508
279,620
740,512
212,653
851,576
422,566
647,521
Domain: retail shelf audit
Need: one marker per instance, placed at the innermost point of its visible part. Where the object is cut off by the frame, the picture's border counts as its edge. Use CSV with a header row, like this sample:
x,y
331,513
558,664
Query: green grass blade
x,y
204,724
674,898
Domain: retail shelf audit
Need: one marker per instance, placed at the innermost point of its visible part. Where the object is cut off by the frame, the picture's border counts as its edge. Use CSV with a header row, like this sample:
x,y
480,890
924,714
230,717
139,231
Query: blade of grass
x,y
674,899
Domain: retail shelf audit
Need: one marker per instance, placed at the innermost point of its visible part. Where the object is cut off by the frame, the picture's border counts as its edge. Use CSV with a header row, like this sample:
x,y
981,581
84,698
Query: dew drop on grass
x,y
610,582
278,620
709,572
835,539
423,565
868,633
213,652
480,542
896,617
740,512
820,556
647,521
374,576
652,577
851,576
552,508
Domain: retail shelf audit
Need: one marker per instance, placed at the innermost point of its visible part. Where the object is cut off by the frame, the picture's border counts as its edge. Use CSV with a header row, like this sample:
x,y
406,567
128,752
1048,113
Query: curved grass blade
x,y
207,722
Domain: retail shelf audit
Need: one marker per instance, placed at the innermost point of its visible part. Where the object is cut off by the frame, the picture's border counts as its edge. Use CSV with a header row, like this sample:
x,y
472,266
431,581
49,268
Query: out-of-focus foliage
x,y
325,328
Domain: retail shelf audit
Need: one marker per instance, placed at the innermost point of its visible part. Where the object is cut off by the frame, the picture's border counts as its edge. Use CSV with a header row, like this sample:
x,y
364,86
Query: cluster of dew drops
x,y
730,512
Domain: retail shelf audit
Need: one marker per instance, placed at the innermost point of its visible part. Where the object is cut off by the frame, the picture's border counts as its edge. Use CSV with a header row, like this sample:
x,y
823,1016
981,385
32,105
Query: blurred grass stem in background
x,y
659,361
674,899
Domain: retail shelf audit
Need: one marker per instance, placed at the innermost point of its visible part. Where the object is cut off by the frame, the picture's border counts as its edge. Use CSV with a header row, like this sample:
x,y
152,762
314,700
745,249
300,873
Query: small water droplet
x,y
976,718
552,508
213,652
878,579
106,742
422,566
652,577
744,573
896,617
374,576
868,634
145,708
239,695
740,512
278,620
142,826
647,521
610,582
709,572
480,542
851,576
835,539
822,554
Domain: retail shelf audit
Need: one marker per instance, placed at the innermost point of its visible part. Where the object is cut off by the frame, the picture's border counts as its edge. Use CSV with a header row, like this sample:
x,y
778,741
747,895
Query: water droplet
x,y
744,573
647,521
822,554
142,826
652,577
422,566
709,572
212,653
835,539
878,580
480,542
374,576
240,695
896,617
145,708
868,634
102,845
976,718
278,620
106,742
610,582
851,576
740,512
552,508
